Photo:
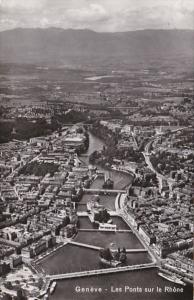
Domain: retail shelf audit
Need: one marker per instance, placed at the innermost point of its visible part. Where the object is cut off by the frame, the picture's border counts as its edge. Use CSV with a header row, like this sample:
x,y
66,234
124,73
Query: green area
x,y
22,129
39,169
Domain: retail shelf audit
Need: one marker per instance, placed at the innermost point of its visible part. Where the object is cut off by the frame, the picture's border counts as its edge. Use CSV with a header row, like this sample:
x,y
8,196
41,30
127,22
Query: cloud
x,y
22,4
158,17
92,13
99,15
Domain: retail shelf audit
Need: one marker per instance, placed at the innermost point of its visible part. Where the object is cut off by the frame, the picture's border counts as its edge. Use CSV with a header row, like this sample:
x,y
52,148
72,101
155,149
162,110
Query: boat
x,y
172,278
52,287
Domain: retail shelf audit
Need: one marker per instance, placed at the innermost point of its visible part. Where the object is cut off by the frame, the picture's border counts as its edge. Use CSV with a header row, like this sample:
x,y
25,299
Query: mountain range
x,y
59,46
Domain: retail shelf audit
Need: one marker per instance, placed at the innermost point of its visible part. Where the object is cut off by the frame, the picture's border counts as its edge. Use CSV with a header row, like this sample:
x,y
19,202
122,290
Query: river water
x,y
121,180
74,259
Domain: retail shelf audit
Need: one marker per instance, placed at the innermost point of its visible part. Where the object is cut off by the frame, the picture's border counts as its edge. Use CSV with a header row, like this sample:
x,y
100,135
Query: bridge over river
x,y
136,250
101,271
97,230
86,214
104,191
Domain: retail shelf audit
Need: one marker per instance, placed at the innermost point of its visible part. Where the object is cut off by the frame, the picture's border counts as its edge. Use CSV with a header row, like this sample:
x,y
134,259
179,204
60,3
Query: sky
x,y
98,15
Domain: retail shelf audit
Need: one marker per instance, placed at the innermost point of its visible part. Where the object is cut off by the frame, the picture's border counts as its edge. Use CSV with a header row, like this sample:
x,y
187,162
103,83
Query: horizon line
x,y
92,30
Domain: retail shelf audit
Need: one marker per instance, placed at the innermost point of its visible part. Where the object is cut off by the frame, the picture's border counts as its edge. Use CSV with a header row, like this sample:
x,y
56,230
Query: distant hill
x,y
54,45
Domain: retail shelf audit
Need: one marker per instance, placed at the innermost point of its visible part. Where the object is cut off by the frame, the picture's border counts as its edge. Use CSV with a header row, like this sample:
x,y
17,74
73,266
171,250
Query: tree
x,y
106,254
123,257
103,216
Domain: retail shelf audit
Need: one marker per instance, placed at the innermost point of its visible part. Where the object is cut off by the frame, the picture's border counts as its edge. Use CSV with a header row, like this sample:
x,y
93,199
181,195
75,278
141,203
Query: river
x,y
121,180
139,280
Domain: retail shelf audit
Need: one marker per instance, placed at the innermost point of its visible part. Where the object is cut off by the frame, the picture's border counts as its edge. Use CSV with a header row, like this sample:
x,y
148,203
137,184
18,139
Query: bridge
x,y
143,250
104,191
86,214
102,271
85,245
97,230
